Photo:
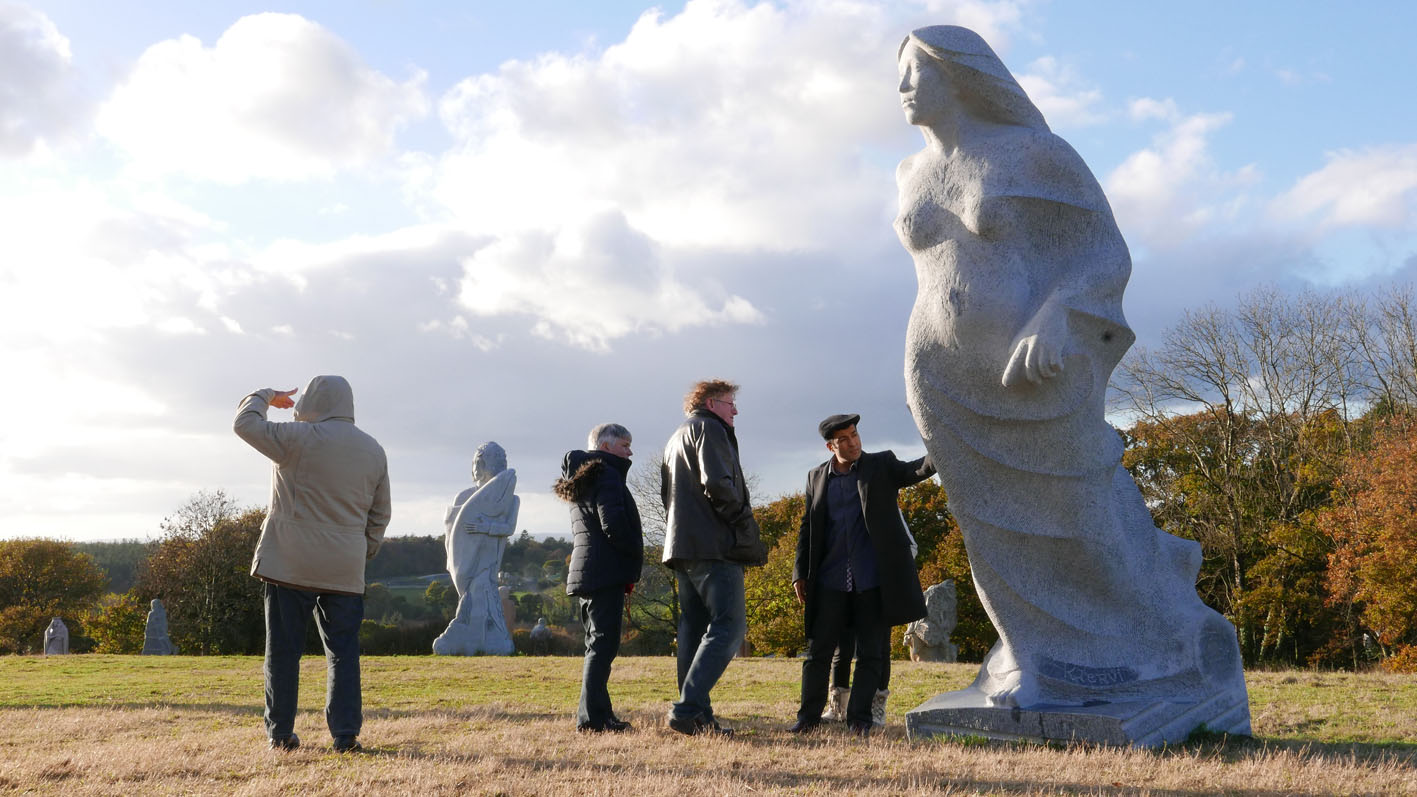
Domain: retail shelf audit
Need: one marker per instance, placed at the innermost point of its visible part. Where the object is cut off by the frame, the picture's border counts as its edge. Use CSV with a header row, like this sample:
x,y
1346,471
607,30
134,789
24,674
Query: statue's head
x,y
155,605
490,460
973,78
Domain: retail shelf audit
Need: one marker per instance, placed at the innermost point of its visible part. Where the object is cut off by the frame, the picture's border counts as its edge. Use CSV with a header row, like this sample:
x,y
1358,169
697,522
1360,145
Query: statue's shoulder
x,y
1036,164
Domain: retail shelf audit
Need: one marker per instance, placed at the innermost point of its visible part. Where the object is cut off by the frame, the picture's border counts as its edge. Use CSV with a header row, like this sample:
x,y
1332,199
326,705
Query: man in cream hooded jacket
x,y
329,508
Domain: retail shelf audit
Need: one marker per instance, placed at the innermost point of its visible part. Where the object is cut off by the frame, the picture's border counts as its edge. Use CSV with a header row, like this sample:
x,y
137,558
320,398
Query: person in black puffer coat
x,y
605,562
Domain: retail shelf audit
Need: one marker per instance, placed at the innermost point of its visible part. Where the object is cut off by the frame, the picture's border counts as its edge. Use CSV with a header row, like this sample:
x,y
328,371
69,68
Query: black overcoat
x,y
879,479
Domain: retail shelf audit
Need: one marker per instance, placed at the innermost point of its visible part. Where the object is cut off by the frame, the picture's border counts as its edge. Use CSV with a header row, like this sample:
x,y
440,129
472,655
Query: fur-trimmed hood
x,y
578,472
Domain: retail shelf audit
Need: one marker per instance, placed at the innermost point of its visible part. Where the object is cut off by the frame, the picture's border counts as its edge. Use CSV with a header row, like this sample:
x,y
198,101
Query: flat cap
x,y
835,424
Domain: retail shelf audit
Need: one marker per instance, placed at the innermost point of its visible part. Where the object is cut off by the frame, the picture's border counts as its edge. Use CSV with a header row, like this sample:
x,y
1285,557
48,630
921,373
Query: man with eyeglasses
x,y
710,536
854,567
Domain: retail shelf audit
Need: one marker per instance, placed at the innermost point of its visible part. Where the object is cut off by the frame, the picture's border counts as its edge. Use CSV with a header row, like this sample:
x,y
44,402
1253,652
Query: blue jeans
x,y
712,623
601,614
337,616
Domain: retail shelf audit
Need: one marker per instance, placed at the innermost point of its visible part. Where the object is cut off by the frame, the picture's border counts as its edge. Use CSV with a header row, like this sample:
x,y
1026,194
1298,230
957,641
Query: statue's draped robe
x,y
1091,600
474,559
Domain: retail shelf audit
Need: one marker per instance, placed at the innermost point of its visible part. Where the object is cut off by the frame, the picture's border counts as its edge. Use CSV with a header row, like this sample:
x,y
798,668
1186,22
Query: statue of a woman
x,y
478,524
155,639
56,638
1014,334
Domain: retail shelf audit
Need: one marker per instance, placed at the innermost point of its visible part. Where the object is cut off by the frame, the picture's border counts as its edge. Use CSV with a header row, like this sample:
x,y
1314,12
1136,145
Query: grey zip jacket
x,y
329,489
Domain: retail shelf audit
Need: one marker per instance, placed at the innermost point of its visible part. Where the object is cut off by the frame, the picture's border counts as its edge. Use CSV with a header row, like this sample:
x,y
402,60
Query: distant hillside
x,y
118,560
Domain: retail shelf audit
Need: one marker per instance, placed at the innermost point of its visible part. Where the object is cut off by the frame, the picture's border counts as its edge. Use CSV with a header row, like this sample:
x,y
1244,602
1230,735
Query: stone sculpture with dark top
x,y
56,638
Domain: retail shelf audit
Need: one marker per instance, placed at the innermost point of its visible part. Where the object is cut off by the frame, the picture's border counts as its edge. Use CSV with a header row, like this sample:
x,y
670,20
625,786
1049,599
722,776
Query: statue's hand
x,y
1038,350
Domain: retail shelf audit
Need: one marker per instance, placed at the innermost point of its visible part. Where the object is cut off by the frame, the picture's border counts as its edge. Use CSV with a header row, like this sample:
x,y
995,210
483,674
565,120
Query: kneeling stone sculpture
x,y
479,522
1015,331
929,639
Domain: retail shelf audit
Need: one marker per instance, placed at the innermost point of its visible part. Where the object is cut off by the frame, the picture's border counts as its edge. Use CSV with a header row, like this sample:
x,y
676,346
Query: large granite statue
x,y
155,639
1014,334
929,638
479,522
56,638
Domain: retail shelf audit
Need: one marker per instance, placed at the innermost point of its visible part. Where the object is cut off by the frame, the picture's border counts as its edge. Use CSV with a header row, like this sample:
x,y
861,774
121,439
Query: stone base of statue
x,y
158,646
967,712
462,639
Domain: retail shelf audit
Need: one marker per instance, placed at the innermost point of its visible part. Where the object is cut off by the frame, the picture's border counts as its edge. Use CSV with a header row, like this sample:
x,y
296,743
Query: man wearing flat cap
x,y
854,566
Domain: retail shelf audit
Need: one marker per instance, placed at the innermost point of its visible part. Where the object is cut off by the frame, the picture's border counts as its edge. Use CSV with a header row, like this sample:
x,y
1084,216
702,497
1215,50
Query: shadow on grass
x,y
1234,748
760,731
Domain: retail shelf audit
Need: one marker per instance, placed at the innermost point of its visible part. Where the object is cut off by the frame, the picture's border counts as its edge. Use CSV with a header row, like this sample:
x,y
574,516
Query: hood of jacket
x,y
326,398
578,472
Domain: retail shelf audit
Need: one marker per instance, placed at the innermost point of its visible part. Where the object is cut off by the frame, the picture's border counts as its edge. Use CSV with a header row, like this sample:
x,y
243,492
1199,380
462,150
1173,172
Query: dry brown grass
x,y
513,736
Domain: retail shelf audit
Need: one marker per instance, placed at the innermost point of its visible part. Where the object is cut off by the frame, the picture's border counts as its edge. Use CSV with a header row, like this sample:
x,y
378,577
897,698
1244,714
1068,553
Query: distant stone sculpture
x,y
929,639
155,639
1014,334
56,638
540,637
479,522
509,606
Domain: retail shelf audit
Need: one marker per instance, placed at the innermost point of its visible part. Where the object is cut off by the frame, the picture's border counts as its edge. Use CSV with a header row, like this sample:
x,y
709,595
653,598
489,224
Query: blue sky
x,y
513,221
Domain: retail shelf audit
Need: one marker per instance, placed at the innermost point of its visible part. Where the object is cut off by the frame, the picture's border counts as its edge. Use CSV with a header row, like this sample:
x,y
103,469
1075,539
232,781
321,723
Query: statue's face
x,y
924,90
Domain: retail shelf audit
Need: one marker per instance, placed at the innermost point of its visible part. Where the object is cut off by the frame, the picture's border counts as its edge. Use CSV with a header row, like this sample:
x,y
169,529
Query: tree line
x,y
1280,433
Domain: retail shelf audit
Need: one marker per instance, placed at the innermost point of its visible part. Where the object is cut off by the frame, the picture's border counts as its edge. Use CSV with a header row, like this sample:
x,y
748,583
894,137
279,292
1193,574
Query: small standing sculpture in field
x,y
479,522
56,638
929,639
1015,331
155,639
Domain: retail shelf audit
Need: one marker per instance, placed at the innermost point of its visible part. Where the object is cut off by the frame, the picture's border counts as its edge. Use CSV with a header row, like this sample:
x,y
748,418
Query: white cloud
x,y
37,101
276,97
726,126
590,284
1163,194
1054,88
1371,187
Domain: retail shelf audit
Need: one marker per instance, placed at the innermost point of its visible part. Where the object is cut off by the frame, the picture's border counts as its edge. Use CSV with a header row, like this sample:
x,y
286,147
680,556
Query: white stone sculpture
x,y
1014,334
929,639
155,639
56,638
479,522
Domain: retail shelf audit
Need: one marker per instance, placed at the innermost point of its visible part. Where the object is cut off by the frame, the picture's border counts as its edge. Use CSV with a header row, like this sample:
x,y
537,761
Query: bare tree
x,y
654,608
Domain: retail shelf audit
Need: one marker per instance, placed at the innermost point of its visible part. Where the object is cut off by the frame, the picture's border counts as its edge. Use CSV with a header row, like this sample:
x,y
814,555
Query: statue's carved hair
x,y
981,82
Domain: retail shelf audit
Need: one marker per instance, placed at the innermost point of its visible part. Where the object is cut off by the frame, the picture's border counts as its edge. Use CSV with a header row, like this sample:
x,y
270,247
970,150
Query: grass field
x,y
183,725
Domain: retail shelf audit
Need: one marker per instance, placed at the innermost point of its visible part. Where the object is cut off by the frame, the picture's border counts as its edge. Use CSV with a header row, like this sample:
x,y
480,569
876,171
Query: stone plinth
x,y
1134,724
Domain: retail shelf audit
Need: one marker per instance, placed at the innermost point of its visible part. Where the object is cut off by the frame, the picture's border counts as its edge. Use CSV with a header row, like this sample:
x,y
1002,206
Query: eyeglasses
x,y
729,403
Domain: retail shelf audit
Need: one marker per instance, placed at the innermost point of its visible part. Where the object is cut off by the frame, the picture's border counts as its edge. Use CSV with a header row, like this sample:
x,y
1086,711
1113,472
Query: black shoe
x,y
589,727
696,726
286,743
860,730
689,726
348,744
616,725
804,726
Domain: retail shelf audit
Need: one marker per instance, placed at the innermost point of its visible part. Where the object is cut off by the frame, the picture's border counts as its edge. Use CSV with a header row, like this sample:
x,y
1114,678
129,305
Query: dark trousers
x,y
602,613
835,612
713,620
337,616
846,650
